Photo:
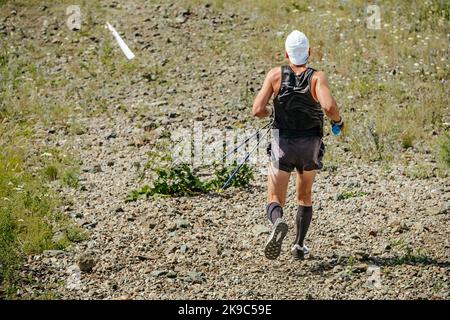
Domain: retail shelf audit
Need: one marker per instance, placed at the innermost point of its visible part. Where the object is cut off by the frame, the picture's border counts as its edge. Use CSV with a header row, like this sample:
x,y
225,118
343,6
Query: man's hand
x,y
336,127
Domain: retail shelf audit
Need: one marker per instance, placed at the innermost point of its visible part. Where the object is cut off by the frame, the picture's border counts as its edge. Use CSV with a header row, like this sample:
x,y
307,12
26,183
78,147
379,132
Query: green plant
x,y
351,261
60,166
363,86
137,194
9,255
221,175
180,180
419,171
299,6
28,206
51,172
76,234
347,194
407,254
71,179
407,141
176,181
413,256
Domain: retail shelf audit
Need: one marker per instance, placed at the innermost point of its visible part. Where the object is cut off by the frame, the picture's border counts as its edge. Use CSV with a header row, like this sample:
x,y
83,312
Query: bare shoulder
x,y
320,78
274,77
274,73
320,75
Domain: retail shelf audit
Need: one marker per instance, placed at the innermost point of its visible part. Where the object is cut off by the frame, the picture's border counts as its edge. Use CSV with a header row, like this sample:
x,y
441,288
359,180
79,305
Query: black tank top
x,y
297,114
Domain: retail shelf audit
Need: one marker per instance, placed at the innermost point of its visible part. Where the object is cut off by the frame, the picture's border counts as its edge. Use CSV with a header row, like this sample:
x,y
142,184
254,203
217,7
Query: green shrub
x,y
407,141
347,194
180,181
221,175
51,172
70,178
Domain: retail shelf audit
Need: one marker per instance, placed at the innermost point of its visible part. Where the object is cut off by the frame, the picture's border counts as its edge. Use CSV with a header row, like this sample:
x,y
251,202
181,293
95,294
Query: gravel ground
x,y
210,246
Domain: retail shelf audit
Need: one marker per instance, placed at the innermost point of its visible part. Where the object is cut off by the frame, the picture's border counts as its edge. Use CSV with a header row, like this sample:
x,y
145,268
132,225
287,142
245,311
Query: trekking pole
x,y
245,141
243,161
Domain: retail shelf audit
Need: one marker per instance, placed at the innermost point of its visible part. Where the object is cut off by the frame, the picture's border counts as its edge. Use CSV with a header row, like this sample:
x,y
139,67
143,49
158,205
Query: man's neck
x,y
298,69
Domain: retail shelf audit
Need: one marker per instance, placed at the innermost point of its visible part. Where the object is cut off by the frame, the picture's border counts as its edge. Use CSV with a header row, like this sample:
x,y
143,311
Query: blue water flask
x,y
336,129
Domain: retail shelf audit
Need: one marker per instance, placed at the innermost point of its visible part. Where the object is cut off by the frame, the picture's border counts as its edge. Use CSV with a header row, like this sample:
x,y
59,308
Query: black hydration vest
x,y
297,114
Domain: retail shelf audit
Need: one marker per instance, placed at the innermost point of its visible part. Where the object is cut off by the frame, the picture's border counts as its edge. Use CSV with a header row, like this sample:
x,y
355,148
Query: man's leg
x,y
305,182
277,185
278,181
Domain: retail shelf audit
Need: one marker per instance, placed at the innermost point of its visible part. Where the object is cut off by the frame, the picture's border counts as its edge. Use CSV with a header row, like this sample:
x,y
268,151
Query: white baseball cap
x,y
297,47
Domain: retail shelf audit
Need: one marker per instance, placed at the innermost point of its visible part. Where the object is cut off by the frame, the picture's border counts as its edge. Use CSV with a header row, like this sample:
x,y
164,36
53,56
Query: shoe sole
x,y
272,249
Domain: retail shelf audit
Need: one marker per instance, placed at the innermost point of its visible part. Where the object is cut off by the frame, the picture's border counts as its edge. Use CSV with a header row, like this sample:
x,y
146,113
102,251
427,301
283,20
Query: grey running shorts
x,y
303,154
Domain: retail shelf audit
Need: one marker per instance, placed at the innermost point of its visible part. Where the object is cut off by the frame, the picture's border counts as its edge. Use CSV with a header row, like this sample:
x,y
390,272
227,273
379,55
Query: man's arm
x,y
260,109
325,97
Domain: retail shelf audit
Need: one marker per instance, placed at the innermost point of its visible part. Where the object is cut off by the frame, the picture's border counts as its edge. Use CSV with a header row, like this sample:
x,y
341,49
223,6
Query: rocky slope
x,y
211,246
376,232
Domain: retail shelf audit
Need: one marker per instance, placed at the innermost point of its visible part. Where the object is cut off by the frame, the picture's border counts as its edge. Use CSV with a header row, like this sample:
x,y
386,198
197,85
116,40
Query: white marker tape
x,y
122,44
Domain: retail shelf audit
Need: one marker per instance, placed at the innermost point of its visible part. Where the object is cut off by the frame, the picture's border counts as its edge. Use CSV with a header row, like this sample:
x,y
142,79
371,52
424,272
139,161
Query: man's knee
x,y
304,195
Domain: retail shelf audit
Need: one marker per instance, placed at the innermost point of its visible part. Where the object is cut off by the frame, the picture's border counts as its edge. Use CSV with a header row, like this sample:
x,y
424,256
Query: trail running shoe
x,y
273,245
300,253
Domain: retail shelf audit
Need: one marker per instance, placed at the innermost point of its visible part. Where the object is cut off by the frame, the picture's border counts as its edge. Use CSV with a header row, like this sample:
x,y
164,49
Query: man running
x,y
300,95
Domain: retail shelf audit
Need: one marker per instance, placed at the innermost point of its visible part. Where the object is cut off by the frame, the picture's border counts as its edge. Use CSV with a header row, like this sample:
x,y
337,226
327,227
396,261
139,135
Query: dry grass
x,y
392,81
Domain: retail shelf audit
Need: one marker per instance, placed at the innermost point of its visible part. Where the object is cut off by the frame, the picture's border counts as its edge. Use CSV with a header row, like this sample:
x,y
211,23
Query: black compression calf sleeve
x,y
304,216
274,211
